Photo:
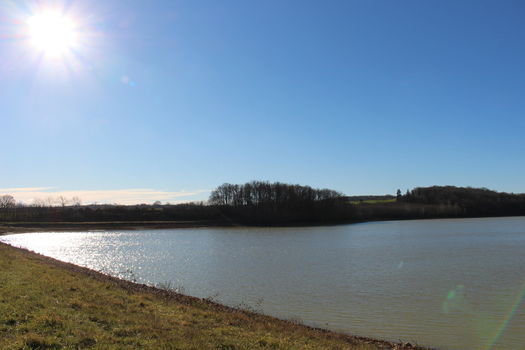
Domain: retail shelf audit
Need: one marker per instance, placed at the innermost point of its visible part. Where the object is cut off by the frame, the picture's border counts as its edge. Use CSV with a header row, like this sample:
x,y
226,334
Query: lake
x,y
451,284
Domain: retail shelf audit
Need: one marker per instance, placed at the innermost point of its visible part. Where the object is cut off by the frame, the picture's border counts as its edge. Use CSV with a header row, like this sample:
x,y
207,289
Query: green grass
x,y
45,304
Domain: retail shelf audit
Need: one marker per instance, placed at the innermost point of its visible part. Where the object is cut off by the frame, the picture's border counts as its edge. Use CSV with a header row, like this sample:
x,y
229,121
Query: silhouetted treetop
x,y
264,193
265,203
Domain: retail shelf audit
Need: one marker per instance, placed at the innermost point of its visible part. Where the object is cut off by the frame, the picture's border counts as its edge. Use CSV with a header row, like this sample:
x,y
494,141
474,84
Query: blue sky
x,y
181,96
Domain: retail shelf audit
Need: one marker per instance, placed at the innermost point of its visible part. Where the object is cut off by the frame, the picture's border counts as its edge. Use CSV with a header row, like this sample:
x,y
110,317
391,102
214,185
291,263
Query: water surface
x,y
452,284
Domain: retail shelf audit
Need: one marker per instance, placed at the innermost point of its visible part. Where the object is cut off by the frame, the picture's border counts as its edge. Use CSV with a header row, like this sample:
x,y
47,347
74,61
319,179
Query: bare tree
x,y
7,201
50,201
76,201
39,203
62,201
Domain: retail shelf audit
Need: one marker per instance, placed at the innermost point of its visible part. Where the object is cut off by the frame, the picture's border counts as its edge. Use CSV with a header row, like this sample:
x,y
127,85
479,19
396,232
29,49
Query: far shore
x,y
60,226
7,228
27,227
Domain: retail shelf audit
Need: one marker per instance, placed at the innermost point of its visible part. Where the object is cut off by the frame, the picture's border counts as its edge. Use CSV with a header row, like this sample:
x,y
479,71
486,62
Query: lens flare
x,y
501,330
455,299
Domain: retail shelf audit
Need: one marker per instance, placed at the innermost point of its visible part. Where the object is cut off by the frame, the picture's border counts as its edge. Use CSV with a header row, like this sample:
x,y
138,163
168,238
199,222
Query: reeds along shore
x,y
48,304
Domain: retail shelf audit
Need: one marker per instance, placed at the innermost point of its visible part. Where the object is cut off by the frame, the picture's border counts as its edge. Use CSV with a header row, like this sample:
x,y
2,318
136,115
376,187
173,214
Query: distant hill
x,y
459,195
443,202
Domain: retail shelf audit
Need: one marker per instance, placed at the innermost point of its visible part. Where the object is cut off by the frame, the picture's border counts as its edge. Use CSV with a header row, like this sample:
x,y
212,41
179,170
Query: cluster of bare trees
x,y
70,209
8,201
261,192
60,201
265,203
10,209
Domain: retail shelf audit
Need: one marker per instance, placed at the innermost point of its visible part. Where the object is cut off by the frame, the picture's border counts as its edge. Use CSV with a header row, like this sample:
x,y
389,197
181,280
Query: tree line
x,y
265,203
468,201
108,213
444,202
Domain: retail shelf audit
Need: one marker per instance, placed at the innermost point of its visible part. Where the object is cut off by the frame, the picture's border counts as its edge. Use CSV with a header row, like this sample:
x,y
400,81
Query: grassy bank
x,y
47,304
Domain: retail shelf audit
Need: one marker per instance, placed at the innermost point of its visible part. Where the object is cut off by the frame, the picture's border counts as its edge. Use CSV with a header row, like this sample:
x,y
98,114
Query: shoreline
x,y
27,227
7,228
171,296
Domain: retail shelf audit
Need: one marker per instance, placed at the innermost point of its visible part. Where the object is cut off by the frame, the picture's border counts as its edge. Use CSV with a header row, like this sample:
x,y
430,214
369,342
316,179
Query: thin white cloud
x,y
123,196
24,189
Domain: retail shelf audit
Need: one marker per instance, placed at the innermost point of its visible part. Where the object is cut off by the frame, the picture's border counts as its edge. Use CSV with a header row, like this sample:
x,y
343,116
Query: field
x,y
374,201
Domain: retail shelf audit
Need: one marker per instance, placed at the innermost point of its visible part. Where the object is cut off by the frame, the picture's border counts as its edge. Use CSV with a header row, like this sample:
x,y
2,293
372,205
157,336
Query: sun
x,y
52,33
